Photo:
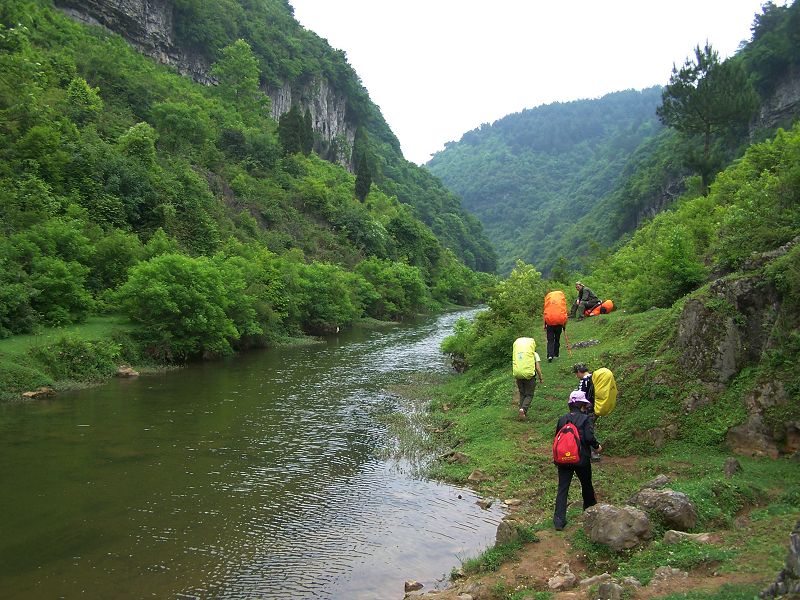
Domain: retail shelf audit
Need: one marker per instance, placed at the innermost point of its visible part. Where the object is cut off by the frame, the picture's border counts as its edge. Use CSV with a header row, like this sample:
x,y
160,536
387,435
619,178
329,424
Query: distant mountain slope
x,y
529,176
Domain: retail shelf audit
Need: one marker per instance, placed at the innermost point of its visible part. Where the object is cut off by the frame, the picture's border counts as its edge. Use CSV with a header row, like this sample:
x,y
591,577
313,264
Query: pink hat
x,y
578,397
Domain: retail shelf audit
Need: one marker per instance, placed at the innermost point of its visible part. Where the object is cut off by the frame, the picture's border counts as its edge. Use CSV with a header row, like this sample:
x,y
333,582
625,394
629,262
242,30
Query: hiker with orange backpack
x,y
572,447
555,321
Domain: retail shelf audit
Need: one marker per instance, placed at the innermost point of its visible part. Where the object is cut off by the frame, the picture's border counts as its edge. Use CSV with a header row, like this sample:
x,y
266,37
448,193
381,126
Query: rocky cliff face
x,y
780,109
148,26
728,329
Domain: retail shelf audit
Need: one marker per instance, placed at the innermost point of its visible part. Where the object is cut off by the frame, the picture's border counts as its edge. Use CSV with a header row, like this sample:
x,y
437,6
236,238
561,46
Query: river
x,y
260,476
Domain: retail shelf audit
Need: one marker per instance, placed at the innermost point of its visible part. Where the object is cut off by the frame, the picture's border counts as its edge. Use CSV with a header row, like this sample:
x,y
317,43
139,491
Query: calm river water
x,y
256,477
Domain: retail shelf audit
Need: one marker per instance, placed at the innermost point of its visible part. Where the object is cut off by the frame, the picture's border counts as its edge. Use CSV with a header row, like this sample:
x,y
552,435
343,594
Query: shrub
x,y
77,360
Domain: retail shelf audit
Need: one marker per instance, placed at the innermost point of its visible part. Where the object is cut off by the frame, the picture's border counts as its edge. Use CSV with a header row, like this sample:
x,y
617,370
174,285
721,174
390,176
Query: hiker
x,y
586,385
586,300
527,368
554,316
578,408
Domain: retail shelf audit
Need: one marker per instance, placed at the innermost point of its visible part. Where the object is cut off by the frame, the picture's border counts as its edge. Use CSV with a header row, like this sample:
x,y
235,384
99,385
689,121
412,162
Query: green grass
x,y
652,391
726,592
491,559
30,361
95,328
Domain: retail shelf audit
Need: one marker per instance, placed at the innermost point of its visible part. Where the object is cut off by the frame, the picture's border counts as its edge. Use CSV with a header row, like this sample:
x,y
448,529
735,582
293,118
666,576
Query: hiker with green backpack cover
x,y
572,446
526,368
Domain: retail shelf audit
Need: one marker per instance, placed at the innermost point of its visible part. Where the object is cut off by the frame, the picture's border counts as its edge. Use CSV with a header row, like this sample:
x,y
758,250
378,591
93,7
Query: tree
x,y
707,98
363,178
239,74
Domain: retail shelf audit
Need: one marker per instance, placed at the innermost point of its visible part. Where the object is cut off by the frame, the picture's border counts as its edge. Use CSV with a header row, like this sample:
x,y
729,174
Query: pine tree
x,y
707,99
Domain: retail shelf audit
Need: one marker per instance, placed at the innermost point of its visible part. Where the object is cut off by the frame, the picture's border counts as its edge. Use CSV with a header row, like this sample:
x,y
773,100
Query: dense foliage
x,y
126,187
531,175
753,206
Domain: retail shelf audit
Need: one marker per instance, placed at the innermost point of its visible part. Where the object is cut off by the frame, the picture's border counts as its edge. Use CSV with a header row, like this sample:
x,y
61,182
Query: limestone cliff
x,y
148,25
783,106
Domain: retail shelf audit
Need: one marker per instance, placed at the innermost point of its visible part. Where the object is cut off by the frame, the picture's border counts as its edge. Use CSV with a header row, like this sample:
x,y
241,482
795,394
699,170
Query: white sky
x,y
439,68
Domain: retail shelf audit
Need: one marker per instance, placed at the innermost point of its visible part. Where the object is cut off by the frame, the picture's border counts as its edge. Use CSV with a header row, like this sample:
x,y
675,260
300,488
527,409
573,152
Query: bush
x,y
78,360
186,305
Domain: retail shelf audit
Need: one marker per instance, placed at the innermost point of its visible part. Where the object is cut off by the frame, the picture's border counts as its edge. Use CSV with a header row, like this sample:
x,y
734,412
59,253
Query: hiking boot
x,y
521,415
596,456
549,359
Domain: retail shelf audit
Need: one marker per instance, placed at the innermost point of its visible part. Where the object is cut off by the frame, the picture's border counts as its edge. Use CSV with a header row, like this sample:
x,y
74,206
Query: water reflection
x,y
256,477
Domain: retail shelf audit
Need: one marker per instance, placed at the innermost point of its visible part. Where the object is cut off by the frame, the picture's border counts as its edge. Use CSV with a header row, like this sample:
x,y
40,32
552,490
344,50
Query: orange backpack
x,y
555,308
601,309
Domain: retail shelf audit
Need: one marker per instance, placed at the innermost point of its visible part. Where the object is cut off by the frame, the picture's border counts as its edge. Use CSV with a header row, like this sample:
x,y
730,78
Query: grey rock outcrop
x,y
675,509
674,537
564,579
788,580
619,528
609,591
149,26
727,331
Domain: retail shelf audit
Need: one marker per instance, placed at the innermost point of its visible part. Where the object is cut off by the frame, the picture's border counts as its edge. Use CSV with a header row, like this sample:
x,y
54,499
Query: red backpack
x,y
567,445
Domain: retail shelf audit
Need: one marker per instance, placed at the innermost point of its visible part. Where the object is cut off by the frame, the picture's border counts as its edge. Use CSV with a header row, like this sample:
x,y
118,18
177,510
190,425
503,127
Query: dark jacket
x,y
587,387
585,430
587,295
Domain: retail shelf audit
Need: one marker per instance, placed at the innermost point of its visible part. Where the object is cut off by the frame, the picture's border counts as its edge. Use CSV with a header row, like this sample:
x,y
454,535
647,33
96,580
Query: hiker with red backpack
x,y
572,447
555,321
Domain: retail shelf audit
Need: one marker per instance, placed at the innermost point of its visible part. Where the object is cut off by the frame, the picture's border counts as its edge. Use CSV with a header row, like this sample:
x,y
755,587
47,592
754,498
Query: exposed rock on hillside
x,y
148,25
720,334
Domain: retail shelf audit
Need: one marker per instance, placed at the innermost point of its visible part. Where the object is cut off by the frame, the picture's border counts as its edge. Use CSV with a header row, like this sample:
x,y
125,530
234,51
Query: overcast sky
x,y
439,68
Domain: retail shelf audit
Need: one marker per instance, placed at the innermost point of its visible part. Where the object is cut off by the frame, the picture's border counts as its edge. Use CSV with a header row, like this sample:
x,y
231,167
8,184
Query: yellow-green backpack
x,y
605,391
524,358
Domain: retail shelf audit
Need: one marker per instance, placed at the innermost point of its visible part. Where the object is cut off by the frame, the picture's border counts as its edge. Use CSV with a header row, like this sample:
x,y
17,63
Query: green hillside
x,y
127,188
561,185
529,176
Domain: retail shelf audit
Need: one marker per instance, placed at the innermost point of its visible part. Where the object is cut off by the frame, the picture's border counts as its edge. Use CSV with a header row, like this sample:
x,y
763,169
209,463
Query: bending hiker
x,y
564,456
586,300
586,385
527,367
555,321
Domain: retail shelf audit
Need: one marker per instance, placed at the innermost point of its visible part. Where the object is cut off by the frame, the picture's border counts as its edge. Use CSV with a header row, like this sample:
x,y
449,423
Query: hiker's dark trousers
x,y
526,389
582,306
584,474
553,340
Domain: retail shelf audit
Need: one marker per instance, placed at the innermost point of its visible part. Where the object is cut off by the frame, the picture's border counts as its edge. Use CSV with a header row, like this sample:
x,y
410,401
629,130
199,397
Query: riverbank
x,y
748,513
59,359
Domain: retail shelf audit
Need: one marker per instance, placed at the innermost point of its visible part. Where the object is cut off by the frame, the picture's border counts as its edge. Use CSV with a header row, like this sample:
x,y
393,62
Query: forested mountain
x,y
529,176
300,72
128,187
561,185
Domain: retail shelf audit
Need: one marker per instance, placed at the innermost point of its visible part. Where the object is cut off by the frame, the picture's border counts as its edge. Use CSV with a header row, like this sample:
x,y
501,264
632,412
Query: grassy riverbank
x,y
749,514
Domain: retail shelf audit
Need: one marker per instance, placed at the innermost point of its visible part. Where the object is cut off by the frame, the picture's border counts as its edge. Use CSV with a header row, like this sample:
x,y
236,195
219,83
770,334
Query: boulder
x,y
631,582
126,371
413,586
609,591
42,392
485,503
732,466
564,579
659,481
618,527
752,438
674,537
506,532
477,475
512,502
675,509
597,579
